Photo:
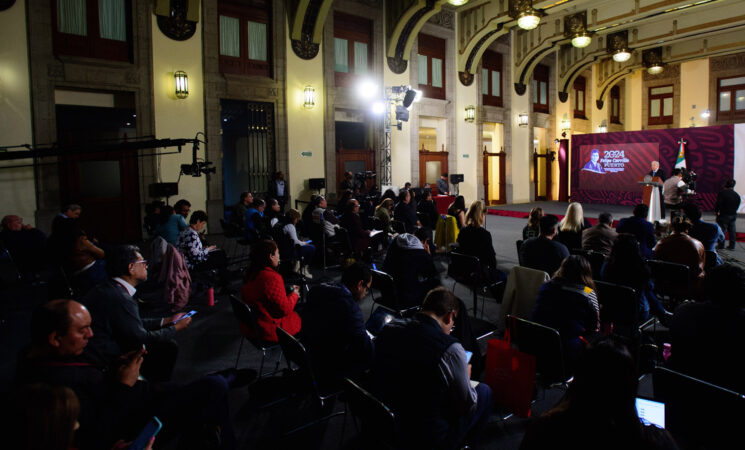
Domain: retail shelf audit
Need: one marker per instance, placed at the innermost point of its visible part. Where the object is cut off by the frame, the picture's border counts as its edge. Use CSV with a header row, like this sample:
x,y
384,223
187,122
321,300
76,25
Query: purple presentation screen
x,y
615,167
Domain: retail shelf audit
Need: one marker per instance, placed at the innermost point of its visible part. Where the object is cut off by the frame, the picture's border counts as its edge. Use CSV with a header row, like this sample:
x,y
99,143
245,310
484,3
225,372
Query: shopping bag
x,y
511,375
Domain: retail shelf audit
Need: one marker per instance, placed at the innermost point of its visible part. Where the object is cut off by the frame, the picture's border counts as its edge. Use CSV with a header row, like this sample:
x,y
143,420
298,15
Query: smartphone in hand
x,y
151,429
189,314
468,356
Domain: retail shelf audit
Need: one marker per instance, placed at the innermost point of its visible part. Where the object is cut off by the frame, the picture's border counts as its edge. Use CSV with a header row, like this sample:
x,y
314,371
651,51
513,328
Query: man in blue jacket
x,y
641,228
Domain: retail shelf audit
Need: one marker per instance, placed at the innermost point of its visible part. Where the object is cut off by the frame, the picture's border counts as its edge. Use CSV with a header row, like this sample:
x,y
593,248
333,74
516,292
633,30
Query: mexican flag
x,y
681,161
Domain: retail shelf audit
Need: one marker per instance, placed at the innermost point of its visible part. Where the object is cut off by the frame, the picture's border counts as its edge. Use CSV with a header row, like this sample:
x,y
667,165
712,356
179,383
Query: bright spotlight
x,y
418,95
378,108
367,89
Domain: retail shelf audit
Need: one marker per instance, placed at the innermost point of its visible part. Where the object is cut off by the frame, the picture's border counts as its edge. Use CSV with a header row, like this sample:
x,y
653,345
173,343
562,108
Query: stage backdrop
x,y
606,166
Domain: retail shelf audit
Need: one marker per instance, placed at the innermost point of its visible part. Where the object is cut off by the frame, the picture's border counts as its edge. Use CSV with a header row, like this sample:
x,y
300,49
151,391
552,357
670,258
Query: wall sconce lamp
x,y
603,128
309,97
652,60
706,114
182,84
565,126
575,27
522,119
470,113
618,46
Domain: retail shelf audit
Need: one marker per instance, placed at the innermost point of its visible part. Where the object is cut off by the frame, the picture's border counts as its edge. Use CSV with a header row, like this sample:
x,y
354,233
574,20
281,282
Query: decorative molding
x,y
176,27
397,65
132,77
466,78
520,88
671,71
563,96
305,48
445,18
599,104
6,4
736,61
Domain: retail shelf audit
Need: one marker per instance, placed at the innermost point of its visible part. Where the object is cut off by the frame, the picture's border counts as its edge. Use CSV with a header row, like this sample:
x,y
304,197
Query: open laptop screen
x,y
651,412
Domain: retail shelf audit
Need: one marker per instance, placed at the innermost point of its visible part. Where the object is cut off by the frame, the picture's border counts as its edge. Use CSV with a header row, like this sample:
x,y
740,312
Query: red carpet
x,y
524,215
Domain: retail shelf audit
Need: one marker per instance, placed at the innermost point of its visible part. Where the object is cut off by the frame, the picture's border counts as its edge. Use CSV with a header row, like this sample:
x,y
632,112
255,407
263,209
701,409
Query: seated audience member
x,y
642,229
238,211
118,327
383,212
680,248
627,267
388,194
599,409
457,209
600,238
253,224
405,213
272,213
728,202
71,211
568,303
264,291
571,226
427,208
182,208
350,220
171,225
114,402
334,328
302,249
307,216
197,257
708,233
410,263
325,216
531,229
542,252
475,240
81,259
707,337
152,216
278,189
25,243
439,409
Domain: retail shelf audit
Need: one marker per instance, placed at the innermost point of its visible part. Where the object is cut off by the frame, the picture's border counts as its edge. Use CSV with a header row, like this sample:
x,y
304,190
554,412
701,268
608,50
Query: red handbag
x,y
511,375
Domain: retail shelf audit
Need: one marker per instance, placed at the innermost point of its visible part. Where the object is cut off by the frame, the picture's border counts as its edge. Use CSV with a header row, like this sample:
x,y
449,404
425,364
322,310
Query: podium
x,y
651,193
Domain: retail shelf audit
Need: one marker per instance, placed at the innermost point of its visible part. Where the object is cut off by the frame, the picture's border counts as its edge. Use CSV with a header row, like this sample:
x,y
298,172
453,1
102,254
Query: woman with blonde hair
x,y
475,240
571,226
383,212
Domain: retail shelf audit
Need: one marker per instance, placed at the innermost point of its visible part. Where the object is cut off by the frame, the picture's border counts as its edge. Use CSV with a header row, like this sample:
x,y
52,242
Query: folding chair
x,y
672,281
545,344
246,317
386,287
378,422
466,270
619,309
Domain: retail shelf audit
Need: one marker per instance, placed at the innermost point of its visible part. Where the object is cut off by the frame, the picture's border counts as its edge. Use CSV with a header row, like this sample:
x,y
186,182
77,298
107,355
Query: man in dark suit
x,y
641,228
333,327
542,252
405,213
278,189
117,326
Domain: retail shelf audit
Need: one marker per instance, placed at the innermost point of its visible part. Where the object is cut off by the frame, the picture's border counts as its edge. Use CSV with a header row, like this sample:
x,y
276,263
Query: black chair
x,y
398,226
386,287
305,381
9,274
596,260
545,344
377,224
518,244
698,413
711,260
671,281
245,316
378,422
466,270
619,309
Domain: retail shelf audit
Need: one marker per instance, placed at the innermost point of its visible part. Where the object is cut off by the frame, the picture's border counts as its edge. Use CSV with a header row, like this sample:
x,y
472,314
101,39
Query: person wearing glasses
x,y
118,327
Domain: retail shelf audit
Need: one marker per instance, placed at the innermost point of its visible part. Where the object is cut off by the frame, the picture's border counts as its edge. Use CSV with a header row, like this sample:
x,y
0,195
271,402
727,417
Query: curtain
x,y
360,58
230,36
436,72
485,81
71,17
112,19
256,41
341,55
422,64
495,84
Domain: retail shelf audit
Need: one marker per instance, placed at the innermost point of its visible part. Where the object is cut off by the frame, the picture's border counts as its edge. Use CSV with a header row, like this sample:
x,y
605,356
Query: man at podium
x,y
657,172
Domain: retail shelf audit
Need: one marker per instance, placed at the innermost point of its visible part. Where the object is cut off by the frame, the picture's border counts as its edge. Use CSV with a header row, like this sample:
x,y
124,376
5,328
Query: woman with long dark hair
x,y
531,230
457,209
264,291
568,303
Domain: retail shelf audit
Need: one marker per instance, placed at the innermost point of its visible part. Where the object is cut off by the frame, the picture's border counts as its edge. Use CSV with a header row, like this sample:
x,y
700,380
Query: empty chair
x,y
671,281
384,284
466,269
619,309
518,244
545,344
378,422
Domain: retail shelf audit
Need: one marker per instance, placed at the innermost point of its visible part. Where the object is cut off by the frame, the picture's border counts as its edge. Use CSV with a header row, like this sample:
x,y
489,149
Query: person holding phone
x,y
264,291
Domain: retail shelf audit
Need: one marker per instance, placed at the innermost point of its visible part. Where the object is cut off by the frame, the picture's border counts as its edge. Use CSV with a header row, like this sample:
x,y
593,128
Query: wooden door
x,y
542,180
501,197
431,166
354,161
105,184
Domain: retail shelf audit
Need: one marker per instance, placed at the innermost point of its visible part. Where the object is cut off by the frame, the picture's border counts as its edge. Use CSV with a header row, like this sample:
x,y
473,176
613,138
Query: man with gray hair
x,y
600,238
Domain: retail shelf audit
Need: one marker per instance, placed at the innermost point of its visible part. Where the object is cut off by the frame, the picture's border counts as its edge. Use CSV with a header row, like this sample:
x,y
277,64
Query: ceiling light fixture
x,y
528,19
618,46
581,40
457,2
575,27
621,55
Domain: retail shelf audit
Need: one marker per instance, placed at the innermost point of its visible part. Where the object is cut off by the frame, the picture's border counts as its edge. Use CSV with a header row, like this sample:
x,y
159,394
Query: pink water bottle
x,y
666,350
211,296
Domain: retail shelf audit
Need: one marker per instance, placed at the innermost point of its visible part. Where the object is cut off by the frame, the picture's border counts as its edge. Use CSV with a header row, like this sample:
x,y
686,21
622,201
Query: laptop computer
x,y
651,412
378,319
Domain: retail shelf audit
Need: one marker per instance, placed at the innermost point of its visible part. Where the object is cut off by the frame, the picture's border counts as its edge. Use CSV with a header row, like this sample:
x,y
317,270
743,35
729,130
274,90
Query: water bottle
x,y
666,350
210,296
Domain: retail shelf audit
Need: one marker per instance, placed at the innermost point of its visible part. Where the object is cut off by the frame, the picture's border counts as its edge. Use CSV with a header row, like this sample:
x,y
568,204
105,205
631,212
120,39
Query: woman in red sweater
x,y
264,291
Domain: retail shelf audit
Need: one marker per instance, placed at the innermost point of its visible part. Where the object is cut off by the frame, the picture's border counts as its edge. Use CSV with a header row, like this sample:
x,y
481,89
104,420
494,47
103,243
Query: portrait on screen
x,y
593,165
